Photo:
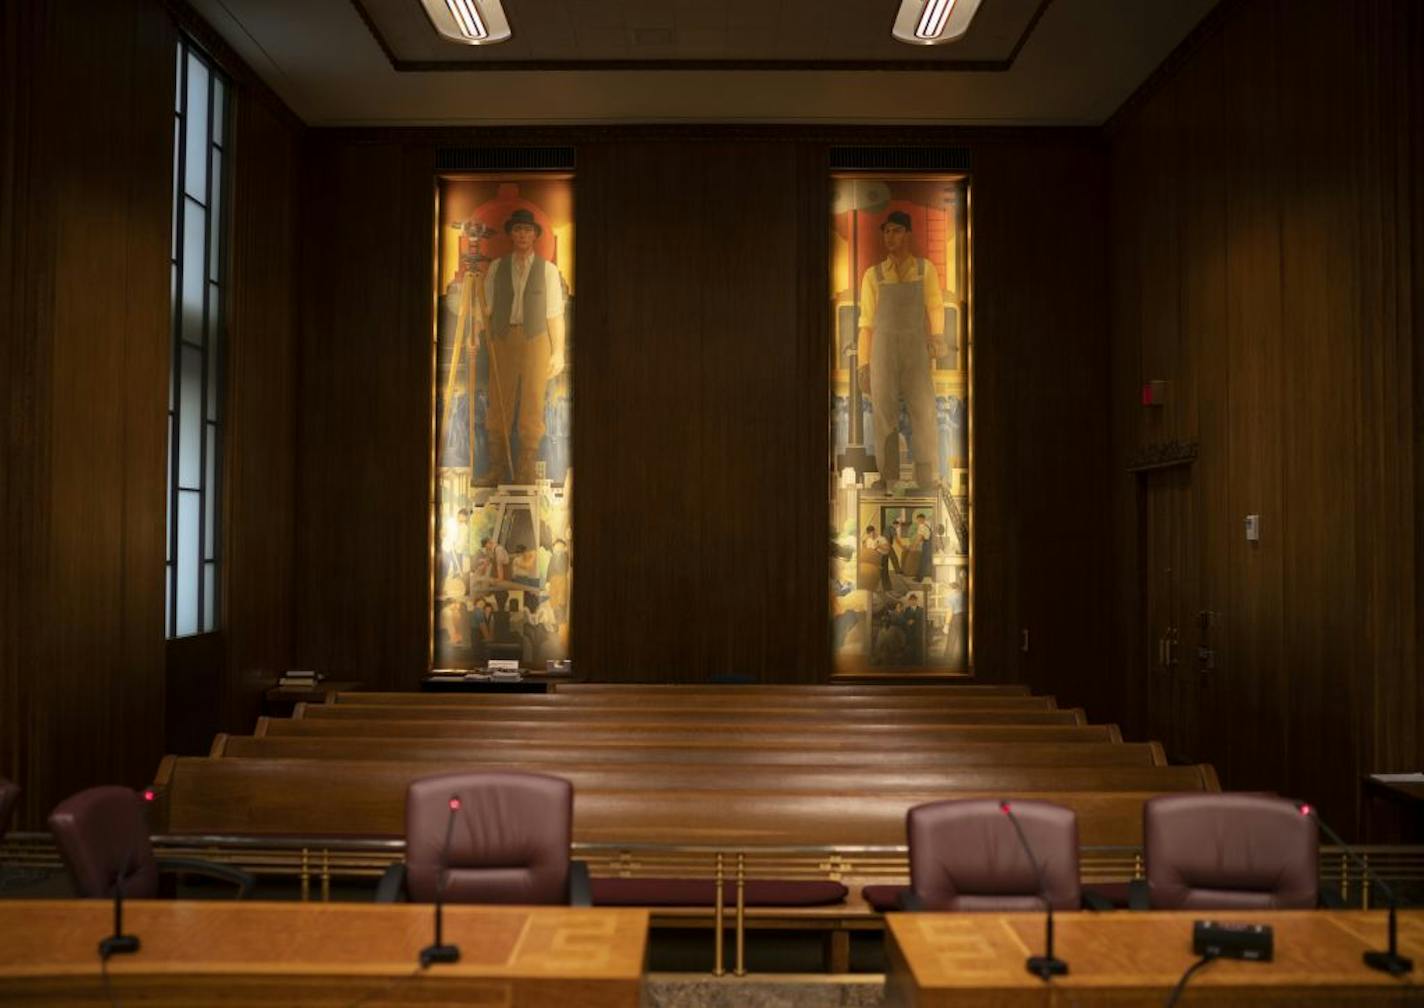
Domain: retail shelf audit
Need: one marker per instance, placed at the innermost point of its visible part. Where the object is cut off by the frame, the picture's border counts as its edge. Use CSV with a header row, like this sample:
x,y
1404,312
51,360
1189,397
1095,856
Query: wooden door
x,y
1175,630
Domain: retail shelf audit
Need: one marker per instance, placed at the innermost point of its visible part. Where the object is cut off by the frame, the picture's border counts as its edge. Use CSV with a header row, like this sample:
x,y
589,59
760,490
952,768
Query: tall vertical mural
x,y
901,585
503,556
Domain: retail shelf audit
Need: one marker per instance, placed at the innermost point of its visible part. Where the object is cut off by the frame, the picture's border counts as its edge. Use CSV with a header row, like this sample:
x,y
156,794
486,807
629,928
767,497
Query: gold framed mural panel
x,y
502,467
901,468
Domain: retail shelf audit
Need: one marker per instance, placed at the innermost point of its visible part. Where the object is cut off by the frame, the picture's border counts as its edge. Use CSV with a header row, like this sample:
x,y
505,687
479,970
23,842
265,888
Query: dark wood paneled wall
x,y
261,403
361,562
1265,244
87,686
700,412
86,185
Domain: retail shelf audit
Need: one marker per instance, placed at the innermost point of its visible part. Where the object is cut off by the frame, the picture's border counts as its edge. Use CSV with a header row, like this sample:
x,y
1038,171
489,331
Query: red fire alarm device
x,y
1154,393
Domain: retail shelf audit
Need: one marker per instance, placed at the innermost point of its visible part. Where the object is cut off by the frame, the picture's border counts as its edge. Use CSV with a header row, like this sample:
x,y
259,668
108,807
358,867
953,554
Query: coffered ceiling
x,y
1023,62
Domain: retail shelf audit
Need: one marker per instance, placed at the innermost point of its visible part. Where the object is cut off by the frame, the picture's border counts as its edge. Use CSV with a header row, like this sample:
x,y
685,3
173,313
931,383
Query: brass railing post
x,y
741,969
717,968
305,876
325,875
1364,882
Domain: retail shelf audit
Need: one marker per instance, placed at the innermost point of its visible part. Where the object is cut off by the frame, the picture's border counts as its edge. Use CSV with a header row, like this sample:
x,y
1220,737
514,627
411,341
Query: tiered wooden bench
x,y
684,804
560,753
738,769
879,735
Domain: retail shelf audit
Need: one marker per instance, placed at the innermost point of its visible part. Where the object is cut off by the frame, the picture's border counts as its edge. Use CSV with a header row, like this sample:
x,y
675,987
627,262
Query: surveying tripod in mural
x,y
502,567
900,557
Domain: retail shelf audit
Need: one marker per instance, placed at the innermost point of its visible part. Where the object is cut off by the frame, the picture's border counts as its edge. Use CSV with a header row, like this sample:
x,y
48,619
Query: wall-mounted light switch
x,y
1253,528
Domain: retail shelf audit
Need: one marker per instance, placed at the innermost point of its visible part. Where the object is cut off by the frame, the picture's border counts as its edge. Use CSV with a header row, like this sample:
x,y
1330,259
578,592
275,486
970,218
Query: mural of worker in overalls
x,y
899,423
503,479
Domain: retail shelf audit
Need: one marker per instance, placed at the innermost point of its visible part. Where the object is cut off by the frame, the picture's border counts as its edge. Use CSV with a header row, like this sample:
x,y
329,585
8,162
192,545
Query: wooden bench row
x,y
811,689
661,701
665,805
807,719
816,736
572,752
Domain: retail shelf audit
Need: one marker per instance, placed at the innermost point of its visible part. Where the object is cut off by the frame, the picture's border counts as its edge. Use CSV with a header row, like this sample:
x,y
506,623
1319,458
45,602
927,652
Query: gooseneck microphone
x,y
1389,961
439,952
1047,965
119,943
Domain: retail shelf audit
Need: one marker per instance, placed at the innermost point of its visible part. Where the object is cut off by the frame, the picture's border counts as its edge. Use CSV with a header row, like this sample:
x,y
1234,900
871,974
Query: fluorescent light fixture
x,y
467,19
932,19
933,22
469,22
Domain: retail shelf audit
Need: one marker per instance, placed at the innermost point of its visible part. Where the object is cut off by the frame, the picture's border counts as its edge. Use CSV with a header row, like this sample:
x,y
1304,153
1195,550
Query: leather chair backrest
x,y
965,855
1229,851
508,842
102,835
9,795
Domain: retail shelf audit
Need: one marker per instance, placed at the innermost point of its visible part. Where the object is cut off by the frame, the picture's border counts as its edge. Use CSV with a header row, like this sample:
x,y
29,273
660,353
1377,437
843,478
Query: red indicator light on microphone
x,y
149,794
454,804
1305,810
1004,807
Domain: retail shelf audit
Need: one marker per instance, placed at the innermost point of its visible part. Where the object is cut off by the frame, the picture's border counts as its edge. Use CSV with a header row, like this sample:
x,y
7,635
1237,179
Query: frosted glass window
x,y
186,582
210,484
194,225
210,594
190,418
219,93
193,555
177,163
215,211
195,171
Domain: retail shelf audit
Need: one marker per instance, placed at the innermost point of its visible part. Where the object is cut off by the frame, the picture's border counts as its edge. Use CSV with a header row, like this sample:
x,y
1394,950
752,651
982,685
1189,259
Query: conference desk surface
x,y
233,953
1128,959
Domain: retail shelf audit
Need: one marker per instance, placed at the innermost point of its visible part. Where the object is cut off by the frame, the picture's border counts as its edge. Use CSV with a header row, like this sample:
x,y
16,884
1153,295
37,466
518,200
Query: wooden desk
x,y
280,700
530,683
1393,811
1128,959
269,954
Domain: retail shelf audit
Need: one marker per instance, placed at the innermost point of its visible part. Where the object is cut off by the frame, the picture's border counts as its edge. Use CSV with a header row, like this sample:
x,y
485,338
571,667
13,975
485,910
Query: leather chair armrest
x,y
1138,895
910,901
391,888
580,891
1096,901
222,872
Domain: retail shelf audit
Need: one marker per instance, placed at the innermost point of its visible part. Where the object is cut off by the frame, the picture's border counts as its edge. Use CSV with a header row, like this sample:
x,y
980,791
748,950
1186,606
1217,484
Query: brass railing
x,y
315,862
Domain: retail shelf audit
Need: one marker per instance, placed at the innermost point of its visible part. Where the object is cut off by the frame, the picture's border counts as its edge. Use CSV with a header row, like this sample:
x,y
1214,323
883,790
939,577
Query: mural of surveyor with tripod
x,y
503,473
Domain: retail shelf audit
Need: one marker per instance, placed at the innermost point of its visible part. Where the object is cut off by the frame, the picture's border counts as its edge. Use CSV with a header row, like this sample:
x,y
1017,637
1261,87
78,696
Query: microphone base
x,y
1389,962
1044,967
118,945
439,954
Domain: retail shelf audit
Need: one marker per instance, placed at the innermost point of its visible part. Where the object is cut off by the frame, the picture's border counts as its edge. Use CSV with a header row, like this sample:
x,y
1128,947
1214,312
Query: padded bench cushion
x,y
702,892
883,898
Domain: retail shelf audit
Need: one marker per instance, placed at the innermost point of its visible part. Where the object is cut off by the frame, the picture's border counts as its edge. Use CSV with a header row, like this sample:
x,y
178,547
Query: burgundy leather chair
x,y
102,835
1229,852
966,855
508,842
9,795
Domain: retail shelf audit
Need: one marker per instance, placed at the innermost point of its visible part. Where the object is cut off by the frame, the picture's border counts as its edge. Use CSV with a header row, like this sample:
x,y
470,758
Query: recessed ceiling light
x,y
469,22
933,22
